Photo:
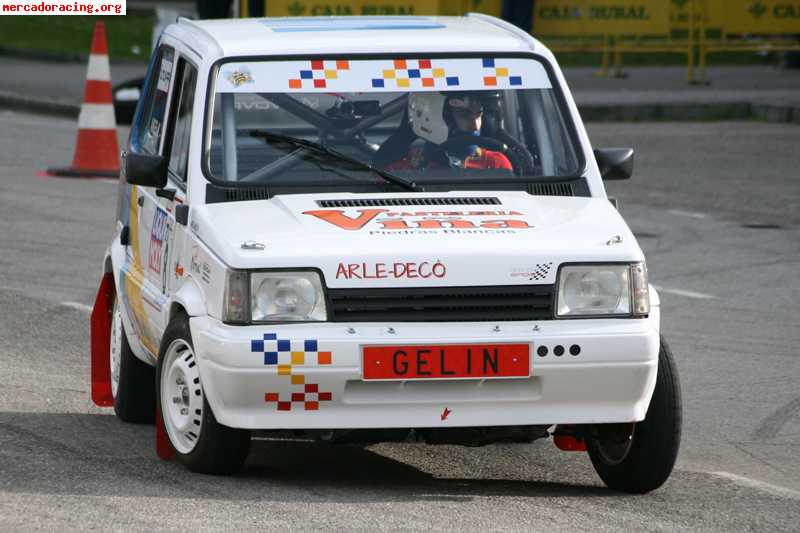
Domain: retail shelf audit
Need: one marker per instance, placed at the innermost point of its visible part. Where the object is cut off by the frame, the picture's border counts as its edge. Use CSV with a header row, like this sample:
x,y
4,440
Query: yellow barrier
x,y
715,26
740,17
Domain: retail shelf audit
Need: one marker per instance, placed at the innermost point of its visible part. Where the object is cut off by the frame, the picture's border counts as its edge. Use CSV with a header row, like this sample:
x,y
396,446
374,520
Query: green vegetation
x,y
72,35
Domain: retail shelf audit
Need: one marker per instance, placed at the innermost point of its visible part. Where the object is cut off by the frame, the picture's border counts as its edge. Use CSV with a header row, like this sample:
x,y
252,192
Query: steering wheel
x,y
519,162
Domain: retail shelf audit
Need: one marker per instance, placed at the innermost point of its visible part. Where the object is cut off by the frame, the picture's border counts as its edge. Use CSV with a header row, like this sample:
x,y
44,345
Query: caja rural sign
x,y
303,8
598,17
658,17
741,16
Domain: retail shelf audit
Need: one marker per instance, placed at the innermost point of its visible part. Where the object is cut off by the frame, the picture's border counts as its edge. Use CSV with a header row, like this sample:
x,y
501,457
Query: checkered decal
x,y
285,355
496,76
414,73
324,75
320,74
541,271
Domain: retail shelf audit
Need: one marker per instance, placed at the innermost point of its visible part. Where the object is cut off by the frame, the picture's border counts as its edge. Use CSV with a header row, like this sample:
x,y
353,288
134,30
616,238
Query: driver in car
x,y
446,122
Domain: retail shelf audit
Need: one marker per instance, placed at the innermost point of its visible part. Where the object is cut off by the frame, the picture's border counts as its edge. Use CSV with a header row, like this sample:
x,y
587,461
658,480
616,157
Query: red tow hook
x,y
567,439
101,342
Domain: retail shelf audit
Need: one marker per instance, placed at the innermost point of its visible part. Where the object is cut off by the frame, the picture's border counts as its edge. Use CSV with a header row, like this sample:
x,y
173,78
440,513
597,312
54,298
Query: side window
x,y
181,121
151,125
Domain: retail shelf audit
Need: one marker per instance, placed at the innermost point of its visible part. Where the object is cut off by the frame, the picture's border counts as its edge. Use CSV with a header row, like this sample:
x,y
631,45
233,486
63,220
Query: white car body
x,y
168,267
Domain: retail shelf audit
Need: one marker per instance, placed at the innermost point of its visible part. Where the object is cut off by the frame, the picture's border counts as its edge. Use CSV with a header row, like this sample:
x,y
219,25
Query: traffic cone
x,y
97,150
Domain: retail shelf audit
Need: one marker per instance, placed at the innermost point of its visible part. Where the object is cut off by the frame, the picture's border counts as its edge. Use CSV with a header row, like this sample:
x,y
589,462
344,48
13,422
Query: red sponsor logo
x,y
390,220
397,270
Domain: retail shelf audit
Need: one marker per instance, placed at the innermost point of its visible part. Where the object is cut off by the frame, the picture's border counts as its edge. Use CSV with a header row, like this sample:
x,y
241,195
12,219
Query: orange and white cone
x,y
97,150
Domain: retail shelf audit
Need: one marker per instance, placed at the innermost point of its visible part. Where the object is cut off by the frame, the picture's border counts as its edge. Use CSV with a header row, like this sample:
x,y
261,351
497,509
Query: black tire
x,y
653,447
135,400
219,450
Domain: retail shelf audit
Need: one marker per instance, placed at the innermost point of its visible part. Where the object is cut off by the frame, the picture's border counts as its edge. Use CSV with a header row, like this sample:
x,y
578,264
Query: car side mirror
x,y
145,170
615,163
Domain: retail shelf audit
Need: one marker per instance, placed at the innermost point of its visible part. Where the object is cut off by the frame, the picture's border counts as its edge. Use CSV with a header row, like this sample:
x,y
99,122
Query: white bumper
x,y
611,380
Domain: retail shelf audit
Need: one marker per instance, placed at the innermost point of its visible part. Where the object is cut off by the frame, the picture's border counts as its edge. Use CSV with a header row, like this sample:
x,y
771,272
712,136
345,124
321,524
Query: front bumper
x,y
308,376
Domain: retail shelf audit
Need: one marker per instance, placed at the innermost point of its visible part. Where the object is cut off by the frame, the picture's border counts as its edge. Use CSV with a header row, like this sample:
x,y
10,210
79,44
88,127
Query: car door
x,y
176,150
147,226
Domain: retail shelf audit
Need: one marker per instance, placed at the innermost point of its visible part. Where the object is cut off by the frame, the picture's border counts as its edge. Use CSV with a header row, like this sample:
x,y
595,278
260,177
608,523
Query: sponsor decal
x,y
284,355
239,76
536,272
158,235
164,75
396,270
200,269
385,221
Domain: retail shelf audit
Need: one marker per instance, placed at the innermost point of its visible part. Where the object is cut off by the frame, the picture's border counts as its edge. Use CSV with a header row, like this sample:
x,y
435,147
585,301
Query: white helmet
x,y
426,116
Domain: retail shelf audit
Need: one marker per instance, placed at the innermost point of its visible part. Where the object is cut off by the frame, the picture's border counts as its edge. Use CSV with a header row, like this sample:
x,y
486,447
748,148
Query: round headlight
x,y
284,298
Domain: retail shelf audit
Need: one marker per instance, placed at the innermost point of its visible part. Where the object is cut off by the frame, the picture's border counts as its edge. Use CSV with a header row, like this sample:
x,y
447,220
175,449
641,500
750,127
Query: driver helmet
x,y
431,114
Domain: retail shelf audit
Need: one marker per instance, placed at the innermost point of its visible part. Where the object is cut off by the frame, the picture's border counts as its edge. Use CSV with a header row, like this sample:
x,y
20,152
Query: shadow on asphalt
x,y
96,454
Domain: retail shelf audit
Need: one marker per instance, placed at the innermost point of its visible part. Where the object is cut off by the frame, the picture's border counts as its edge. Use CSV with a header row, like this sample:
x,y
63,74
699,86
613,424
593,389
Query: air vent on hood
x,y
568,187
551,189
390,202
216,194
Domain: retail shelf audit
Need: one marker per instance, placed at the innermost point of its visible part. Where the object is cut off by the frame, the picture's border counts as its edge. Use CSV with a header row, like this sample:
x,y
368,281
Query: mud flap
x,y
164,448
101,342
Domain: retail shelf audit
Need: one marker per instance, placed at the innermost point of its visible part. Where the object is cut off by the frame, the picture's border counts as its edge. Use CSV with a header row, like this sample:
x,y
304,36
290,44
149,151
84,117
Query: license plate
x,y
449,361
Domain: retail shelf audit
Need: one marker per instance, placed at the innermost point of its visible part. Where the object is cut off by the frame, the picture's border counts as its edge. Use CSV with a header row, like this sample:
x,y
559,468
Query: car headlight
x,y
274,297
602,290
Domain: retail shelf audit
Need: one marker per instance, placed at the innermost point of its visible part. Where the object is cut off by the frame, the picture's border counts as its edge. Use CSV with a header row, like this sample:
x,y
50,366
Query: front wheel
x,y
638,458
200,442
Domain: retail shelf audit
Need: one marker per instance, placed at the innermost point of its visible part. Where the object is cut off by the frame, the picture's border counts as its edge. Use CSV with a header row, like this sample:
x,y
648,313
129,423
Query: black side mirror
x,y
145,170
615,163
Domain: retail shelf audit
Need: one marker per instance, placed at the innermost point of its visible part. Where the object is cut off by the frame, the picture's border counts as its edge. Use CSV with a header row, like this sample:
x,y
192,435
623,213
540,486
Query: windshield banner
x,y
381,75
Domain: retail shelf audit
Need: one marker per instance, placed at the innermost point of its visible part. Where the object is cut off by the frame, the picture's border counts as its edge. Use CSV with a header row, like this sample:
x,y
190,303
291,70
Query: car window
x,y
182,119
440,120
151,124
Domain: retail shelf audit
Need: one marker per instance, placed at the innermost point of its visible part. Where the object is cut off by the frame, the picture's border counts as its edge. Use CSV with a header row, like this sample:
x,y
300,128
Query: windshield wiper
x,y
322,149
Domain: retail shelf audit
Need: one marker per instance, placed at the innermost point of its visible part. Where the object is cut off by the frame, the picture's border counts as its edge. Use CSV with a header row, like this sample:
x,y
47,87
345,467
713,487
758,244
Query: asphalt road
x,y
730,298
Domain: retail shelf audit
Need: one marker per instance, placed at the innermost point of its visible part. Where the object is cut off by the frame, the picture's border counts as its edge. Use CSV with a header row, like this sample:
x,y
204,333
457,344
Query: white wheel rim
x,y
115,353
181,396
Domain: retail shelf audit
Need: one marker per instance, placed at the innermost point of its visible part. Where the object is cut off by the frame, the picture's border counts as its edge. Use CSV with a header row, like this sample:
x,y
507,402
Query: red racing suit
x,y
481,158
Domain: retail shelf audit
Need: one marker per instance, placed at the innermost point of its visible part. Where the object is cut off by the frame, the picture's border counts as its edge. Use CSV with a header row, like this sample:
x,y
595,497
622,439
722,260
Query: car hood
x,y
401,240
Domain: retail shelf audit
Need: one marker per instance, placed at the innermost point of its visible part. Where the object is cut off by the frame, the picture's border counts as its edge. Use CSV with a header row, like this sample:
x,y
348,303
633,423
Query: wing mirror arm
x,y
169,194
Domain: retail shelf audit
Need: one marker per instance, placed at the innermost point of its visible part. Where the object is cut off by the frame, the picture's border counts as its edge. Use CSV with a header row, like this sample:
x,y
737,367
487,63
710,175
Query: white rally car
x,y
366,229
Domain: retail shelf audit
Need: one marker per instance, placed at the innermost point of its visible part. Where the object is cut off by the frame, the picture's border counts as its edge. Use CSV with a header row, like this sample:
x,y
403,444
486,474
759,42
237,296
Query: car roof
x,y
353,35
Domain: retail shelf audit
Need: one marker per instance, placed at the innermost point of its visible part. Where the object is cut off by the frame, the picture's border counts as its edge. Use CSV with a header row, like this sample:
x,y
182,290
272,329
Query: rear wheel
x,y
200,442
132,380
638,458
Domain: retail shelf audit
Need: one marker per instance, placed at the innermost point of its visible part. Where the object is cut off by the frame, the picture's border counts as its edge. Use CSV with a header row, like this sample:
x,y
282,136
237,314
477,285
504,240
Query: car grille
x,y
442,304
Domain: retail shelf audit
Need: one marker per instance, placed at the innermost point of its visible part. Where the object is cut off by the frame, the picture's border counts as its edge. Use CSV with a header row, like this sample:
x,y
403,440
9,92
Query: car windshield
x,y
343,122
